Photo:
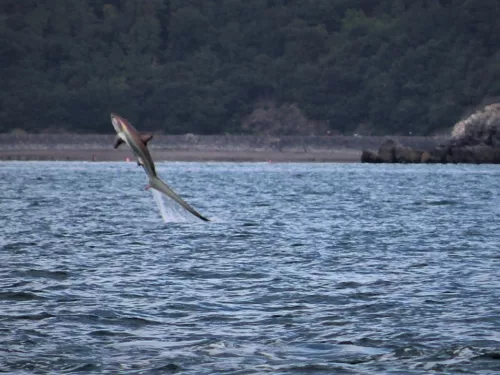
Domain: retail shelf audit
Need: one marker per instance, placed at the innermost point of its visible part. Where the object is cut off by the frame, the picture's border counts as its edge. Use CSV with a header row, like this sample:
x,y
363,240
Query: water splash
x,y
169,210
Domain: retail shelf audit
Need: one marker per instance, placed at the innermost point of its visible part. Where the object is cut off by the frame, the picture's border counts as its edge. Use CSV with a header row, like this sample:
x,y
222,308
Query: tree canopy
x,y
179,66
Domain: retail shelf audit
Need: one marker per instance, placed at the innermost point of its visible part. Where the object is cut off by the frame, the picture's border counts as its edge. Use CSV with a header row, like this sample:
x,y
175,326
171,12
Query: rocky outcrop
x,y
368,156
482,127
407,155
474,140
391,151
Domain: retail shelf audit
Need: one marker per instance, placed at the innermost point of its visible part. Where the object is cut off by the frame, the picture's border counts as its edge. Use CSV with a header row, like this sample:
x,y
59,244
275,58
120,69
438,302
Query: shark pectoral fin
x,y
146,137
162,187
118,142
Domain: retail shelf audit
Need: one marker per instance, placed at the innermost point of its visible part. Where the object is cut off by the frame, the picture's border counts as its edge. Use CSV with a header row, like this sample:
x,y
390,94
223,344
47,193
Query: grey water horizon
x,y
305,268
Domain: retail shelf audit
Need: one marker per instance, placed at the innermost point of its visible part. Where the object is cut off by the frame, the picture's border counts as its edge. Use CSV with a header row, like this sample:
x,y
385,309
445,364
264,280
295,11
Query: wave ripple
x,y
305,268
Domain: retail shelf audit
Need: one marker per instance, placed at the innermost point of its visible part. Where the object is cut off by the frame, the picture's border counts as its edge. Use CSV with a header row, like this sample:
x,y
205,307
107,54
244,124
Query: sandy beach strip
x,y
190,147
337,156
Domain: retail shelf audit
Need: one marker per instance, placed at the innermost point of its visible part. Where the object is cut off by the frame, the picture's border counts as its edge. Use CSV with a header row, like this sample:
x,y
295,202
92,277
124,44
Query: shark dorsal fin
x,y
118,142
146,137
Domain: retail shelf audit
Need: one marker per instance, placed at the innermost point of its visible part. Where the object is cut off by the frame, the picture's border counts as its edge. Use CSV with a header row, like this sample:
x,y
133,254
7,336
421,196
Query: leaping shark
x,y
126,133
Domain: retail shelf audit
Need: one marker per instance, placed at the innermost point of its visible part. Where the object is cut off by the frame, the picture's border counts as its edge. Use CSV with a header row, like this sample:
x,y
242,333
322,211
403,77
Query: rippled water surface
x,y
304,269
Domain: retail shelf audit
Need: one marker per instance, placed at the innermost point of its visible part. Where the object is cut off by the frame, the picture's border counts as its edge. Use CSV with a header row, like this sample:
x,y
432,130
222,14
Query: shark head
x,y
118,123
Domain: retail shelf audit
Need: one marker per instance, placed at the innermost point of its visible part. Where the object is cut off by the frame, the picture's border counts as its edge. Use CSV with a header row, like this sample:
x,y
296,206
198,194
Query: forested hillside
x,y
203,66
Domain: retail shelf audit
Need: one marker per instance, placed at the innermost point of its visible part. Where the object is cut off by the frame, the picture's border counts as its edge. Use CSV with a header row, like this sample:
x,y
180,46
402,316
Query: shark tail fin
x,y
156,183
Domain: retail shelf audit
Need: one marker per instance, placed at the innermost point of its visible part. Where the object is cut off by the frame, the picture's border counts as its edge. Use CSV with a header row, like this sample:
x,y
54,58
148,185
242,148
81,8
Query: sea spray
x,y
169,210
161,207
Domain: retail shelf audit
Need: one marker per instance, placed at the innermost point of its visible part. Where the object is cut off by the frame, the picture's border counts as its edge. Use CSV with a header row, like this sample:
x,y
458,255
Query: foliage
x,y
201,65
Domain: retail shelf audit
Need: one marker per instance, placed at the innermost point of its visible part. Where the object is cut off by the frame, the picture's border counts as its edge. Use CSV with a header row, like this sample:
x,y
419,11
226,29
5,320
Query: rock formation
x,y
391,151
474,140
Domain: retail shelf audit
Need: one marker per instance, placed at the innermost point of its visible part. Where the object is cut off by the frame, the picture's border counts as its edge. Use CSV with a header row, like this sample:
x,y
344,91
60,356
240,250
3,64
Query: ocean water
x,y
304,269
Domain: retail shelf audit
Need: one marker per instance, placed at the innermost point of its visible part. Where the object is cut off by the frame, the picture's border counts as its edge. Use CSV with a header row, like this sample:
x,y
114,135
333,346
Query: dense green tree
x,y
394,66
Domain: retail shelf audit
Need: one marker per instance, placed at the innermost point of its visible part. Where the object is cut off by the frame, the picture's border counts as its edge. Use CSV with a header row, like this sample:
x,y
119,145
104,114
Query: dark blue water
x,y
305,269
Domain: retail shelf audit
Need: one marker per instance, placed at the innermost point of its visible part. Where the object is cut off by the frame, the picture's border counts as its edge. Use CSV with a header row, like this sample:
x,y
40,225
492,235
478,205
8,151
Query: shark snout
x,y
117,123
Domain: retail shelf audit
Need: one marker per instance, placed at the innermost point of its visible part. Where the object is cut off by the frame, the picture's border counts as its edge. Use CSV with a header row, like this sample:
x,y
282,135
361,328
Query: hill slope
x,y
377,66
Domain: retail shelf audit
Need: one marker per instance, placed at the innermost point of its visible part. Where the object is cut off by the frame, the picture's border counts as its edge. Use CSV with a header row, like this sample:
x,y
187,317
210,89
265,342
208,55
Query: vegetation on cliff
x,y
202,66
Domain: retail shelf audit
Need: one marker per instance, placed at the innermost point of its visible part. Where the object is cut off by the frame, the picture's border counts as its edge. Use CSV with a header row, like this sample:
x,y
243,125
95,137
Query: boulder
x,y
391,151
426,157
370,157
407,155
440,154
479,154
387,151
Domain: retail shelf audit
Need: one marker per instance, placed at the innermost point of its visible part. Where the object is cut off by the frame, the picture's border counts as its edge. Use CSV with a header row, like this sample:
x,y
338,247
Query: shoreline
x,y
192,147
333,156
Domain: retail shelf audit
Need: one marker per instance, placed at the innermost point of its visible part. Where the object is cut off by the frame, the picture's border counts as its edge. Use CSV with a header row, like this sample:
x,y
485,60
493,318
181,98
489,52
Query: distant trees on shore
x,y
203,66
